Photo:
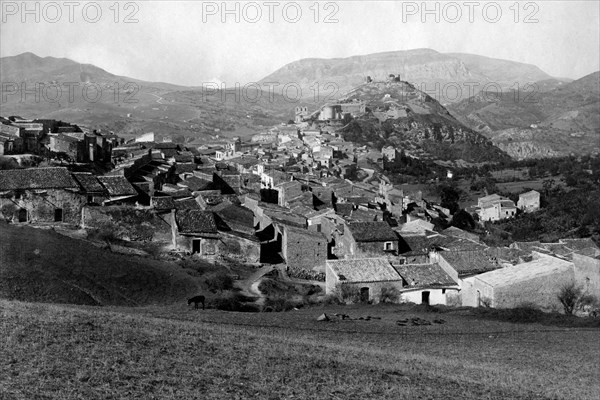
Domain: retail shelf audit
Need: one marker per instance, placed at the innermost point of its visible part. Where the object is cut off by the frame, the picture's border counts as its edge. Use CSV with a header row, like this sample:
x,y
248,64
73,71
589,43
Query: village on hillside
x,y
298,198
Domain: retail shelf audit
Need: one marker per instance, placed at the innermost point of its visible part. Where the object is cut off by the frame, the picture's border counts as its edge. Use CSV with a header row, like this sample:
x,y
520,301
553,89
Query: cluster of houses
x,y
55,139
292,196
496,208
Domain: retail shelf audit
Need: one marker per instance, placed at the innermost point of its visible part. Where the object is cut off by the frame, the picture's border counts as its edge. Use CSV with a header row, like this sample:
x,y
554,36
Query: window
x,y
58,215
443,291
387,246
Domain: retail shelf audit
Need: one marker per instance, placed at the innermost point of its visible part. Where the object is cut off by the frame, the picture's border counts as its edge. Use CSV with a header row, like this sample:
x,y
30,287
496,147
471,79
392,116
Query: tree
x,y
463,220
573,298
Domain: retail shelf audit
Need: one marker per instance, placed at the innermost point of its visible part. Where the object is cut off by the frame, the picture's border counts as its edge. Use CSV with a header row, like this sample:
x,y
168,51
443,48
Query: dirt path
x,y
249,286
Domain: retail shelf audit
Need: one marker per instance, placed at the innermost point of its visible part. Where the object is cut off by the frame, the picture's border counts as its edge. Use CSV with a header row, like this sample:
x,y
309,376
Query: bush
x,y
233,302
219,281
570,296
389,294
347,294
281,304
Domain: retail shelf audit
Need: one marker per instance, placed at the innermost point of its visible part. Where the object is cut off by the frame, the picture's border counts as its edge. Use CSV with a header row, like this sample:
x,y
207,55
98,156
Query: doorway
x,y
22,215
58,215
196,245
364,294
425,298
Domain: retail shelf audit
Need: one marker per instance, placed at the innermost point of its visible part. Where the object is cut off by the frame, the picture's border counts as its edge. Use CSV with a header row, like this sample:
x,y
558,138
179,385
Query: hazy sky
x,y
189,42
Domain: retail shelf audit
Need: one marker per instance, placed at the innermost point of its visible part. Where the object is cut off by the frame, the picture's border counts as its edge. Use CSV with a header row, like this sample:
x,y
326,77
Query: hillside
x,y
43,266
130,106
175,352
422,67
400,115
537,123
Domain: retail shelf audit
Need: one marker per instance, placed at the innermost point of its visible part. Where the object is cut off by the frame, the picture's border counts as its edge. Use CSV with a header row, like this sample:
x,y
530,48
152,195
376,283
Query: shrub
x,y
570,296
347,294
389,294
233,302
281,304
219,281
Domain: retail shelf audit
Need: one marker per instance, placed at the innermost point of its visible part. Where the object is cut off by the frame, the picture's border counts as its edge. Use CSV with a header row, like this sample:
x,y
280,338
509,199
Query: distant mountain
x,y
557,121
400,115
505,73
130,106
424,68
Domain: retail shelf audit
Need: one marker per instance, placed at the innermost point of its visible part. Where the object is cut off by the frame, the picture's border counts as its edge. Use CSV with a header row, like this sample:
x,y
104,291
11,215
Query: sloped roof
x,y
162,202
579,244
196,221
194,183
424,275
117,185
364,270
88,182
469,262
237,215
532,194
37,178
377,231
545,265
186,204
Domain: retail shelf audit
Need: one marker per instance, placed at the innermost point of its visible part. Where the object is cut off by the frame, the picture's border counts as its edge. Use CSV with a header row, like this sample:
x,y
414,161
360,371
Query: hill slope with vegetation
x,y
400,115
43,266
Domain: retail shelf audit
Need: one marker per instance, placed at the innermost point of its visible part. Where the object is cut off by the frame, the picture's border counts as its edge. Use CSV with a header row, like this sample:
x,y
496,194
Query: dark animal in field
x,y
196,300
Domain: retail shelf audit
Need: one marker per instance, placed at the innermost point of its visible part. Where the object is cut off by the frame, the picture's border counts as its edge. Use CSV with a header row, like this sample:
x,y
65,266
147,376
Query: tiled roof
x,y
236,214
579,244
194,183
469,262
344,208
89,182
181,168
372,231
186,204
196,221
545,265
37,178
424,275
162,202
117,185
364,270
532,194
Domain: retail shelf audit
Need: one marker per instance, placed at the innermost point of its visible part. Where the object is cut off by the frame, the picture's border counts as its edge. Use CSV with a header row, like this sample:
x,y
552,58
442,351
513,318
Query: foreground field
x,y
172,352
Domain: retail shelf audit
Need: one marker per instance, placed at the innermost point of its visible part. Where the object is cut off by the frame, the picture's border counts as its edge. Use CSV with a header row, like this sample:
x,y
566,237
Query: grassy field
x,y
173,352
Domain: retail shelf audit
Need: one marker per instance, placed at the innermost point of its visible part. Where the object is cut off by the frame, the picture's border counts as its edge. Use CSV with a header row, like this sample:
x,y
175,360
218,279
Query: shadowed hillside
x,y
43,266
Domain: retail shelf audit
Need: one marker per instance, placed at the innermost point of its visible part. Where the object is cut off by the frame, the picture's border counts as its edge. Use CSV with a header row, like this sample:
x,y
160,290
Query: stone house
x,y
92,189
587,273
497,210
537,282
287,191
118,188
301,248
195,231
390,153
417,283
427,284
368,275
529,201
40,195
367,239
238,237
460,265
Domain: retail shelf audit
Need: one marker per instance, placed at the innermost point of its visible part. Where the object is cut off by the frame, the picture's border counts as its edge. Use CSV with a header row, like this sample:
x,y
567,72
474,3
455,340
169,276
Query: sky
x,y
192,42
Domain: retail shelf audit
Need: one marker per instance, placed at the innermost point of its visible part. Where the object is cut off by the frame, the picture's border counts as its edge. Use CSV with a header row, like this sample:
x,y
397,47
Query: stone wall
x,y
305,249
52,205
